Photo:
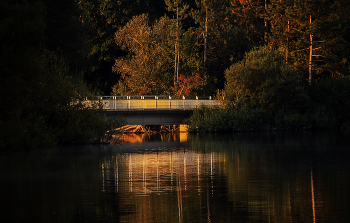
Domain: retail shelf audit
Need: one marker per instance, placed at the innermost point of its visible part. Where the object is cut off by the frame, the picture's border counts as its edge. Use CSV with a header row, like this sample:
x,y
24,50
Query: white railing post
x,y
183,102
128,98
143,102
169,102
156,98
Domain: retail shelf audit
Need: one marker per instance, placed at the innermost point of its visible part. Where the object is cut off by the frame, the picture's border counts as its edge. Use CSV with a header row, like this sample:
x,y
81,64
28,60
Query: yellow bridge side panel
x,y
151,104
164,104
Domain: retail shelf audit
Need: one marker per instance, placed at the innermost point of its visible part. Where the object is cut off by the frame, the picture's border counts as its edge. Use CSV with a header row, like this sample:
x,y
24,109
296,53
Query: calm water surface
x,y
250,177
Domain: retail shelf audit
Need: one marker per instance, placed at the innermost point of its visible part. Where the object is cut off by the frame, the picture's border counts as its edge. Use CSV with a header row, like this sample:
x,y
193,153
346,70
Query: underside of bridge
x,y
152,117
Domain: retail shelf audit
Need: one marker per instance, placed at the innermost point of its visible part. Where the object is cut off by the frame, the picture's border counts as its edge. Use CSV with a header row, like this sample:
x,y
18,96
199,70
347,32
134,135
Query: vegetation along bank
x,y
278,64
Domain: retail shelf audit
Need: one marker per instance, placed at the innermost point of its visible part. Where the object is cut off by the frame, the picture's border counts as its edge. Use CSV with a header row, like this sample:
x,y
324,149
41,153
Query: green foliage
x,y
291,28
264,79
68,123
47,46
292,121
268,95
146,69
47,116
191,61
80,125
250,16
65,33
101,19
37,86
21,31
220,37
227,119
330,97
29,133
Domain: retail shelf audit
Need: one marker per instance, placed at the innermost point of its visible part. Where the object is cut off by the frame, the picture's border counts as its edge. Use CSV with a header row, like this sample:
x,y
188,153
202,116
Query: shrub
x,y
331,104
264,78
228,119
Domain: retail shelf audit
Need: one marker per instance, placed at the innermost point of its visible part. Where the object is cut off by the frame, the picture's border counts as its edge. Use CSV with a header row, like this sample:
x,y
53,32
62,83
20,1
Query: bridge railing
x,y
155,102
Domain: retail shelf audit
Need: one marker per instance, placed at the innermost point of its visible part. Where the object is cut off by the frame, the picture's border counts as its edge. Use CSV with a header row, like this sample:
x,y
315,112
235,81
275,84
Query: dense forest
x,y
278,64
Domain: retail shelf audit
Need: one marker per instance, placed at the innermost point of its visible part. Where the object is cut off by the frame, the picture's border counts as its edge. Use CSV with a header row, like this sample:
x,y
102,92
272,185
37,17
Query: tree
x,y
250,15
101,20
263,79
191,61
330,97
221,40
64,32
312,33
146,69
179,8
21,33
37,85
201,17
187,86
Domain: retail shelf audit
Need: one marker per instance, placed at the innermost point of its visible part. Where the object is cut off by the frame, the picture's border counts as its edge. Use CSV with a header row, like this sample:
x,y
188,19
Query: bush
x,y
37,86
266,94
46,116
264,78
228,119
331,104
25,134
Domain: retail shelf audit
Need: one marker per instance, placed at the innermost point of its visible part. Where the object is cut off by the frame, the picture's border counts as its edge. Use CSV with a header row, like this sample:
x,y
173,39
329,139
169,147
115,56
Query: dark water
x,y
251,177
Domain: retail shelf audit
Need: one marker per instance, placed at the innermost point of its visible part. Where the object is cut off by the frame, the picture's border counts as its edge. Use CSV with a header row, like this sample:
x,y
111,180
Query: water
x,y
250,177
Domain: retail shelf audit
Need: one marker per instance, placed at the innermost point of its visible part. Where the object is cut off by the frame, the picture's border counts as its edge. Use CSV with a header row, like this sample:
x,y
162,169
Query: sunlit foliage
x,y
186,86
146,69
264,78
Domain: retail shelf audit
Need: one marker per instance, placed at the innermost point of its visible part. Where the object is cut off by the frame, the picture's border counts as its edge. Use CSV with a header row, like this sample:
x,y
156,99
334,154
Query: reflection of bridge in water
x,y
161,181
160,172
153,110
198,179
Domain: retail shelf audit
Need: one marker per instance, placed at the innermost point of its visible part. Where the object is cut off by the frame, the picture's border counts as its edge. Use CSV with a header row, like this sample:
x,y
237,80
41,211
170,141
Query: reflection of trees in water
x,y
173,182
284,177
261,177
235,178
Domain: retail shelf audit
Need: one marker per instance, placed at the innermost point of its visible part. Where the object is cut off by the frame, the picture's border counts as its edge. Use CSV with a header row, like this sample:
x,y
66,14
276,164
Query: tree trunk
x,y
177,51
310,58
206,36
265,23
287,47
177,42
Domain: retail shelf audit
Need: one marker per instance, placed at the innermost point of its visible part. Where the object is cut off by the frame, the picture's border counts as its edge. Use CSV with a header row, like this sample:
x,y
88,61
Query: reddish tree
x,y
186,85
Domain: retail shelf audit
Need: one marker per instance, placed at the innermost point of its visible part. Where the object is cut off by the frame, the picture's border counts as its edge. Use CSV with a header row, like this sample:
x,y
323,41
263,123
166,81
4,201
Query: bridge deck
x,y
155,111
159,104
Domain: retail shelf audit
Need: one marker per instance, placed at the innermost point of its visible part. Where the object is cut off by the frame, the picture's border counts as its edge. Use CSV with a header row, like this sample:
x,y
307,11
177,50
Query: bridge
x,y
153,110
